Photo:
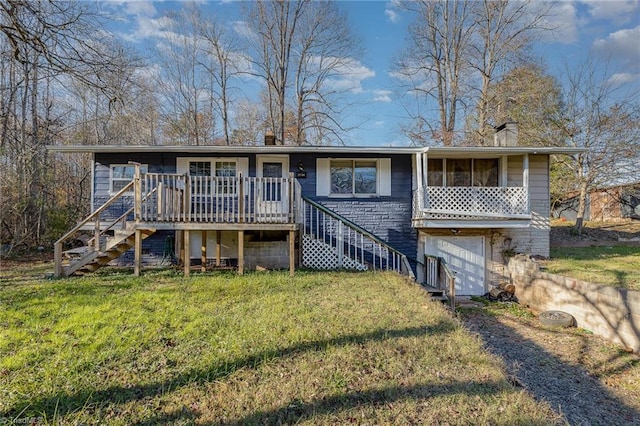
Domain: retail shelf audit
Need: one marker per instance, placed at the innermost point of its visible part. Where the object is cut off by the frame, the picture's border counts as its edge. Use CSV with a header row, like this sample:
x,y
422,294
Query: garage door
x,y
465,257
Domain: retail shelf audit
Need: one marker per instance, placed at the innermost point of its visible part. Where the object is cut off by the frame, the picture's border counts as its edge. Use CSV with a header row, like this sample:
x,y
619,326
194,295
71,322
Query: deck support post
x,y
240,252
57,258
187,252
292,252
137,253
203,251
218,247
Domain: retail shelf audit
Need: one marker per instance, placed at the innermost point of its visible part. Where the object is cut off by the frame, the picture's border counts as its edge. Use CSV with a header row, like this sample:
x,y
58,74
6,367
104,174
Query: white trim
x,y
242,163
143,168
479,152
471,224
93,184
270,158
383,177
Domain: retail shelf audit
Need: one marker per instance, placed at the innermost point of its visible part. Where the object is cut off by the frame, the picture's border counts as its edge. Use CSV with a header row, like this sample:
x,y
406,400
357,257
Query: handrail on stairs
x,y
437,272
406,266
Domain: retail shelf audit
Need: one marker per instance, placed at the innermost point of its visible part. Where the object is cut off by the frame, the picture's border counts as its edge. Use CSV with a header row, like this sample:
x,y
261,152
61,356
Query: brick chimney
x,y
269,138
506,134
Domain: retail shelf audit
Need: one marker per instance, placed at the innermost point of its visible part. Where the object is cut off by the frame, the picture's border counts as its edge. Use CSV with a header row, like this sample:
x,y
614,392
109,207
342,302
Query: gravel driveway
x,y
584,378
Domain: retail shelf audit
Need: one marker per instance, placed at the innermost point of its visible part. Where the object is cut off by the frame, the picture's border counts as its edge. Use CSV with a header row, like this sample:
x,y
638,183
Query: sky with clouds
x,y
608,29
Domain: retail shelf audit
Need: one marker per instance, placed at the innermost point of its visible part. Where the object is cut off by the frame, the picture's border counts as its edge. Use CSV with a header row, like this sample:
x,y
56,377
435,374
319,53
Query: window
x,y
462,172
122,174
353,177
221,169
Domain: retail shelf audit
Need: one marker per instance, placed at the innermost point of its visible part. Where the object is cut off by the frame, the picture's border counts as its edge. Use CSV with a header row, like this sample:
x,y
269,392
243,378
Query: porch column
x,y
504,171
187,252
203,251
292,252
419,184
525,177
137,266
241,252
218,247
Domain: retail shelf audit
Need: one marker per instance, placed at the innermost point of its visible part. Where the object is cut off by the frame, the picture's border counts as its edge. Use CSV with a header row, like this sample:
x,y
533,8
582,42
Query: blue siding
x,y
387,217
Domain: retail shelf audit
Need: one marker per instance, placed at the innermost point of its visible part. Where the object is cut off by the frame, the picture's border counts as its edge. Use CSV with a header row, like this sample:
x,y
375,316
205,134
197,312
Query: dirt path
x,y
584,378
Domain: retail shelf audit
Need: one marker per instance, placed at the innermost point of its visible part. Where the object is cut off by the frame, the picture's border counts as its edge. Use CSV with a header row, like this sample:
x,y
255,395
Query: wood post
x,y
218,247
187,252
137,253
292,252
240,252
203,251
57,257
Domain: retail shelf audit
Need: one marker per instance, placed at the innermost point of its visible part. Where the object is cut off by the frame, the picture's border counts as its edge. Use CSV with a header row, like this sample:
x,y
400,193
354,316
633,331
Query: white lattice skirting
x,y
316,254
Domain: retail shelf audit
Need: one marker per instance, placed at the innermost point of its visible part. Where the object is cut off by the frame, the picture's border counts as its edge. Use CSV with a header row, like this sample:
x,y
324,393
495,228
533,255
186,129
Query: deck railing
x,y
208,199
331,241
441,202
438,275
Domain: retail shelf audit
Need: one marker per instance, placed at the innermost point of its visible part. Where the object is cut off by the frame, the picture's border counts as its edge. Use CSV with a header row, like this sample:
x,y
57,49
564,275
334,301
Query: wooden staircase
x,y
92,260
111,238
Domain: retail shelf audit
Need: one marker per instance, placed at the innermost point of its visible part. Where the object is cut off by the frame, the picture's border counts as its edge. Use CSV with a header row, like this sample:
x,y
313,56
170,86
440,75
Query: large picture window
x,y
353,177
122,174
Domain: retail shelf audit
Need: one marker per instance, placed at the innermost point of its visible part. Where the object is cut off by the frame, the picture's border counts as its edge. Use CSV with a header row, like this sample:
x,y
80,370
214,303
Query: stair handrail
x,y
368,234
446,278
123,216
92,216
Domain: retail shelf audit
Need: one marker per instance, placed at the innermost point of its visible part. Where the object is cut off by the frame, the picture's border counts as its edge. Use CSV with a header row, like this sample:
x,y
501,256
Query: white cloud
x,y
564,21
391,12
140,8
618,11
347,73
623,78
242,29
621,46
382,95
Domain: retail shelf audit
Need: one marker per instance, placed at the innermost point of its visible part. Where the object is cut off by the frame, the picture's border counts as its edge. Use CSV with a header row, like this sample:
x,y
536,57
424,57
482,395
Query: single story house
x,y
613,202
320,207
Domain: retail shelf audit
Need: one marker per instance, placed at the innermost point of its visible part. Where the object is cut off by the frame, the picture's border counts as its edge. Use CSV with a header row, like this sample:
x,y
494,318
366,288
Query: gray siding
x,y
535,239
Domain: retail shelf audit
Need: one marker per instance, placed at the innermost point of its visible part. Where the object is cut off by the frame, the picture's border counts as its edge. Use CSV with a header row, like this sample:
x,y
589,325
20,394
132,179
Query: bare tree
x,y
222,61
604,118
434,65
303,48
456,49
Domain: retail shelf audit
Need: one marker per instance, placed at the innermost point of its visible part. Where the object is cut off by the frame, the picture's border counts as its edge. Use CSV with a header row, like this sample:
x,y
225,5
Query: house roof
x,y
476,151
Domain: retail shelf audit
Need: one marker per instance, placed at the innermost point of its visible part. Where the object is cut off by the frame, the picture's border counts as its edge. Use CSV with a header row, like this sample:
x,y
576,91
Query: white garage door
x,y
465,257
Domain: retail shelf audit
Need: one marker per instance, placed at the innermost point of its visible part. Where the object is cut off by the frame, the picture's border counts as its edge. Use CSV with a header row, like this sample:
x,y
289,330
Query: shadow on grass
x,y
297,411
568,388
64,404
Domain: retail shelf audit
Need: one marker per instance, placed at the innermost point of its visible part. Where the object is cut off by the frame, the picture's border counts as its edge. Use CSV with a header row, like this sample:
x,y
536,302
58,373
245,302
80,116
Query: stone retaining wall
x,y
610,312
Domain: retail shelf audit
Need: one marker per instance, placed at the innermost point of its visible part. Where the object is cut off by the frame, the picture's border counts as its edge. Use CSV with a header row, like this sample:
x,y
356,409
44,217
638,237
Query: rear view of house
x,y
360,208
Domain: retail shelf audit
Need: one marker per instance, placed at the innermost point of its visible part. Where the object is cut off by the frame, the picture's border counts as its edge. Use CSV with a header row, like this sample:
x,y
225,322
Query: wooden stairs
x,y
90,260
436,293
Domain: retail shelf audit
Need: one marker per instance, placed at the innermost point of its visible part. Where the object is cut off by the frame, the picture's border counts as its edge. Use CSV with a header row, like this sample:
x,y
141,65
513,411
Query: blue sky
x,y
609,29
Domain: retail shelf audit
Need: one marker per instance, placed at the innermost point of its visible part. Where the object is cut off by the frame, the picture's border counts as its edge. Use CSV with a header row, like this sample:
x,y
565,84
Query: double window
x,y
216,168
462,172
353,177
121,175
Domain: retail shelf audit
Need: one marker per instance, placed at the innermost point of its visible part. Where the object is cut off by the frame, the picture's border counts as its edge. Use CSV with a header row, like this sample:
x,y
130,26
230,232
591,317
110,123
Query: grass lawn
x,y
617,266
319,348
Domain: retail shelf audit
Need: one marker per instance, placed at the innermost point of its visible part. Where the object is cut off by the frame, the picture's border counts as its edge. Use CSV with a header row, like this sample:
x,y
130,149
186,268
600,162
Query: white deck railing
x,y
206,199
439,202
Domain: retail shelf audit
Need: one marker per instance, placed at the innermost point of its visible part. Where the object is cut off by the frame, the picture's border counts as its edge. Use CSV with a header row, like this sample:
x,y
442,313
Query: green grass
x,y
617,266
319,348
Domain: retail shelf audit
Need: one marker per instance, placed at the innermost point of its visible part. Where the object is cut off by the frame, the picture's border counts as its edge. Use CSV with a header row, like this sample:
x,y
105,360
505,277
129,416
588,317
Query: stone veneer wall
x,y
610,312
